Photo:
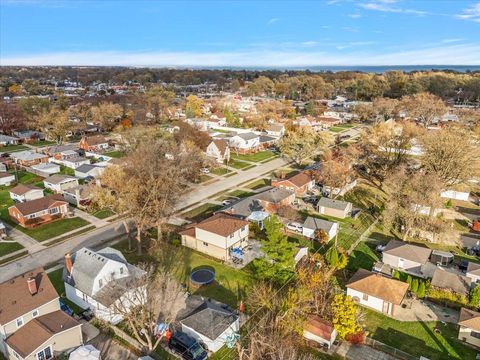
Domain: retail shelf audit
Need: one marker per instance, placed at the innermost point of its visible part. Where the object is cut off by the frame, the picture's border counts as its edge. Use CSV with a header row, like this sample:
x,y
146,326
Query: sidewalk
x,y
90,218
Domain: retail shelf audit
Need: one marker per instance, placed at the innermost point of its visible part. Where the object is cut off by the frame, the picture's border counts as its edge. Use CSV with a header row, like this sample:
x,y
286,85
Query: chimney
x,y
68,264
32,285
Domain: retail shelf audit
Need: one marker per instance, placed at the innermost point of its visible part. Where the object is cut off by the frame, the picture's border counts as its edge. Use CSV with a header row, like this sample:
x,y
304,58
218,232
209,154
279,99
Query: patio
x,y
250,252
421,310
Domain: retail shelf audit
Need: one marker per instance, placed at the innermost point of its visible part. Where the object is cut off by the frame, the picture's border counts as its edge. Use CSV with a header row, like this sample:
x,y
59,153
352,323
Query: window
x,y
31,216
16,355
205,244
53,210
401,263
244,228
45,354
35,313
475,334
232,235
19,322
121,270
365,297
100,283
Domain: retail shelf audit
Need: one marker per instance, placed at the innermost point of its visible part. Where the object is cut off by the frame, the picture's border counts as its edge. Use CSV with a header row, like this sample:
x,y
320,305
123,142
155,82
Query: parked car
x,y
186,346
463,265
226,202
293,226
311,200
65,308
204,171
87,314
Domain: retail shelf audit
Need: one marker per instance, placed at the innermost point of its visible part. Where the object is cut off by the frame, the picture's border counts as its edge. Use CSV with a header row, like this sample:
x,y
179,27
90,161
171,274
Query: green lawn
x,y
238,164
363,256
256,157
13,148
220,171
56,277
418,338
337,129
259,184
9,247
66,171
240,193
203,178
53,229
115,154
43,143
103,214
202,212
26,177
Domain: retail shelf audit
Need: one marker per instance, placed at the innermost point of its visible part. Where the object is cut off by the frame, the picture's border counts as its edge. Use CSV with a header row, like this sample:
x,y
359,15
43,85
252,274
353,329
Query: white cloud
x,y
272,21
449,41
472,13
440,55
354,43
387,6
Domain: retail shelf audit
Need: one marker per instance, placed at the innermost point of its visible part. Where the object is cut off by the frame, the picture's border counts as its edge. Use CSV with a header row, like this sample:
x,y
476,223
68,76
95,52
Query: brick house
x,y
300,183
94,143
40,211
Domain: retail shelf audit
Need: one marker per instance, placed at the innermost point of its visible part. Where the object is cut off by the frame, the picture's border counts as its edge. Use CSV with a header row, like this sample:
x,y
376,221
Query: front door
x,y
385,307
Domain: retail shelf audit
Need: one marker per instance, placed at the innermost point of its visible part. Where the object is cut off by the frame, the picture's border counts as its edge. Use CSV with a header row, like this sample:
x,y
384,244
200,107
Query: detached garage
x,y
455,195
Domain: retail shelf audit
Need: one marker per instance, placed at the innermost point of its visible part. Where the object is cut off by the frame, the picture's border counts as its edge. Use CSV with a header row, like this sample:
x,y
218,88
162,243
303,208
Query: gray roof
x,y
473,268
333,204
210,320
61,148
47,165
87,264
248,136
6,138
85,168
447,280
315,224
408,251
27,155
77,159
58,178
274,195
266,138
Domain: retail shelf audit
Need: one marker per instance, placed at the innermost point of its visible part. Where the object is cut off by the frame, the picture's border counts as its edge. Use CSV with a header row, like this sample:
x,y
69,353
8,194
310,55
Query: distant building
x,y
6,179
336,208
96,143
58,183
312,224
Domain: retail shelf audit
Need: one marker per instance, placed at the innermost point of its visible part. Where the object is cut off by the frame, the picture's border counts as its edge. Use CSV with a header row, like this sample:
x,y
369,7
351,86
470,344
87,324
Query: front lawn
x,y
56,277
337,129
13,148
256,157
41,143
238,164
103,214
258,184
220,171
202,212
9,247
432,339
204,178
54,229
117,154
240,193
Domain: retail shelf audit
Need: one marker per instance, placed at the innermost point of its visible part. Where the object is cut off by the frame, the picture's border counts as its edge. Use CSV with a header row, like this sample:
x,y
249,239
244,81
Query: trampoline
x,y
201,277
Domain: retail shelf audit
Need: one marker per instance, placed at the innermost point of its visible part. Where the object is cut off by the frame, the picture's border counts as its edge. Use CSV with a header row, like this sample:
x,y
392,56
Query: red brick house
x,y
93,143
300,183
40,211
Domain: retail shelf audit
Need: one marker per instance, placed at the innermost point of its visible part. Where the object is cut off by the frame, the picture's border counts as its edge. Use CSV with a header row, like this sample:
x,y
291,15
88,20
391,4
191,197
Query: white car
x,y
293,226
204,171
226,202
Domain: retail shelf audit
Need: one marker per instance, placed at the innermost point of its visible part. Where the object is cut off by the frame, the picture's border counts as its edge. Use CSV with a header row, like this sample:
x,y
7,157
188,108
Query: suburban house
x,y
219,150
6,179
212,324
473,272
74,162
336,208
335,191
47,168
406,257
217,235
300,183
28,158
58,151
444,279
311,225
36,212
245,143
89,170
469,327
277,130
100,279
32,326
275,198
58,183
25,192
376,291
29,135
319,331
79,196
6,140
94,143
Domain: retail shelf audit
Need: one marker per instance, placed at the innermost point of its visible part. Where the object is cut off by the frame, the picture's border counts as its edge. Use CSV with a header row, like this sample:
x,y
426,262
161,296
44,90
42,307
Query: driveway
x,y
113,231
111,350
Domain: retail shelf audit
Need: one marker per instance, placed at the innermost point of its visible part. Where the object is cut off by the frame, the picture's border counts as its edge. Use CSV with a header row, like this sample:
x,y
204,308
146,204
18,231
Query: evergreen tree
x,y
414,287
421,290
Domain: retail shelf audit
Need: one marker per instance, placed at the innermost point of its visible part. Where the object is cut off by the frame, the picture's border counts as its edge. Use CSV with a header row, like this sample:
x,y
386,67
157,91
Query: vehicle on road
x,y
294,226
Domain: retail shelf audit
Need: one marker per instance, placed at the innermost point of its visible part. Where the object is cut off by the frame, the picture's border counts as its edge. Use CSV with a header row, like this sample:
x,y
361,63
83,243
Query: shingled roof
x,y
33,206
470,319
222,224
408,251
22,189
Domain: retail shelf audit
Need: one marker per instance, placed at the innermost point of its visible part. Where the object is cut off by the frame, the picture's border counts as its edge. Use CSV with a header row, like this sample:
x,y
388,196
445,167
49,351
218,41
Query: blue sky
x,y
241,33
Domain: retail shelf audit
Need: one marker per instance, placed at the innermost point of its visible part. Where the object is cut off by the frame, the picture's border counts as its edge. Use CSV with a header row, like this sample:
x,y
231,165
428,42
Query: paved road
x,y
230,183
56,253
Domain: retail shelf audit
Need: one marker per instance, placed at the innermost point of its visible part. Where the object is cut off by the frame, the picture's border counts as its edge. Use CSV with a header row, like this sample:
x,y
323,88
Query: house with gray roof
x,y
100,279
245,143
332,207
6,140
311,225
87,170
447,280
406,257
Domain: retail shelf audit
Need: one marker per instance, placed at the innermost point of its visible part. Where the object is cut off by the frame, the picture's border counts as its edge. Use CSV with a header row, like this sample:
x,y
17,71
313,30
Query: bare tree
x,y
303,143
107,114
55,123
424,107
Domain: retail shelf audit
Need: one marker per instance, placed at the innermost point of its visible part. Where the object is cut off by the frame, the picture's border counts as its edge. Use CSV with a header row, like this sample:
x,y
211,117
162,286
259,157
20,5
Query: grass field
x,y
259,184
238,164
337,129
26,177
43,143
256,157
240,193
66,171
103,214
9,247
13,148
53,229
115,154
418,338
201,212
220,171
363,256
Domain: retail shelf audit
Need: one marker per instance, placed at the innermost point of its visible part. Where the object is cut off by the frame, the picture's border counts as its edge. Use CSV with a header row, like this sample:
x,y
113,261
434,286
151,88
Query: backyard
x,y
115,154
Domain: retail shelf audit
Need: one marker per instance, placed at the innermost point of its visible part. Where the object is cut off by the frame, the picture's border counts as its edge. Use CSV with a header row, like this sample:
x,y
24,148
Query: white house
x,y
6,179
376,291
73,162
469,327
58,183
217,236
311,225
47,168
6,140
277,130
87,170
25,192
473,272
211,324
320,331
219,150
405,257
100,279
244,143
79,196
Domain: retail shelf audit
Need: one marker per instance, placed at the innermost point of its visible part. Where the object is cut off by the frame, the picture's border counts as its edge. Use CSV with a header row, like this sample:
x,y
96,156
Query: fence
x,y
127,338
389,349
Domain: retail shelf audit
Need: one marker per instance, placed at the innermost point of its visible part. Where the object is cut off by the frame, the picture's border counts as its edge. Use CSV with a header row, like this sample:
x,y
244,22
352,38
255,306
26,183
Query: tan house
x,y
469,327
32,326
219,150
300,183
332,207
217,235
93,143
40,211
376,291
25,192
